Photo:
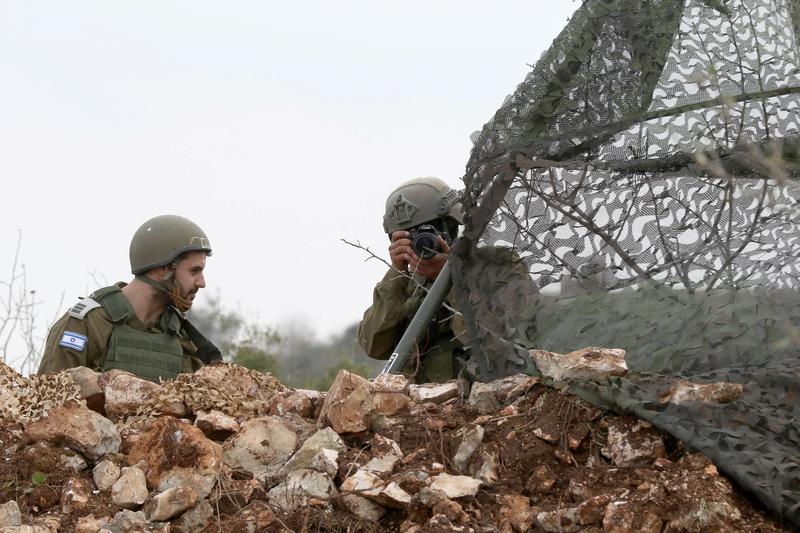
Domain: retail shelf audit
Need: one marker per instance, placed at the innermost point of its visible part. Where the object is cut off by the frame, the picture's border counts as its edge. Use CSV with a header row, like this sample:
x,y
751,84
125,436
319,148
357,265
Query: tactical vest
x,y
149,355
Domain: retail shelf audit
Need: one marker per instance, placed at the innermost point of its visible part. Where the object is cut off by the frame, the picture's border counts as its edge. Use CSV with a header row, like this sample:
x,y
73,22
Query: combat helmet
x,y
162,239
421,200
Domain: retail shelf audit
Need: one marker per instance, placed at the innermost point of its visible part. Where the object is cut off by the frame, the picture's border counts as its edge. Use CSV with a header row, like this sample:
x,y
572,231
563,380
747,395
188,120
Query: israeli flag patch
x,y
73,340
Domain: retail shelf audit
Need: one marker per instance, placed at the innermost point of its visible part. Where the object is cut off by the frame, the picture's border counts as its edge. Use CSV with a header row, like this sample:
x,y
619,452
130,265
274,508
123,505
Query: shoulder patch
x,y
73,340
80,309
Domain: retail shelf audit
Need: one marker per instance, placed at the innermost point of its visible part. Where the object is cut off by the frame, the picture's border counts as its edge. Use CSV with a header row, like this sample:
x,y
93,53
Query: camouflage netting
x,y
646,173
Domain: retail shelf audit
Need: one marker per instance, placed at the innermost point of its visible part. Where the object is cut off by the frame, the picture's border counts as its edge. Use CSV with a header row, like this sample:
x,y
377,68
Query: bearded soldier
x,y
140,326
422,220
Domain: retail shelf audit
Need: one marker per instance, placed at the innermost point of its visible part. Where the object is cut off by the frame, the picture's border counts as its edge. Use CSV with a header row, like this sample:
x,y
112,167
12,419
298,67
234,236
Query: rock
x,y
311,452
455,486
629,443
362,507
125,393
127,521
488,397
620,517
429,496
683,392
90,524
515,513
587,513
542,480
78,428
434,392
369,485
316,397
451,510
170,503
388,394
299,486
470,441
105,474
390,383
130,490
580,491
390,403
75,496
440,522
385,455
363,482
706,516
88,383
586,364
261,447
348,406
9,514
394,496
291,402
177,454
487,472
195,519
216,425
412,481
547,434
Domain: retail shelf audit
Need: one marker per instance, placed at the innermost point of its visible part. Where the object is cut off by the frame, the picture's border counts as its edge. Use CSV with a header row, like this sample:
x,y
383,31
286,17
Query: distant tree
x,y
324,382
257,348
294,354
243,342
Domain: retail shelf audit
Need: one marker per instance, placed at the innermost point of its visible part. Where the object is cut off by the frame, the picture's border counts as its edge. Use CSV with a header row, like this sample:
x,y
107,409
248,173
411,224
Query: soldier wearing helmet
x,y
139,326
422,218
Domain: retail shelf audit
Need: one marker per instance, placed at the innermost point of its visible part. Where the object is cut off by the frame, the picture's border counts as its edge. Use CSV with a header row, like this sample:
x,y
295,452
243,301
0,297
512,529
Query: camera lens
x,y
425,244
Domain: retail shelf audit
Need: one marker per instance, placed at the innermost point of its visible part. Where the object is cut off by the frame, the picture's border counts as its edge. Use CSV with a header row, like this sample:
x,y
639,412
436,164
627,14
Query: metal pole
x,y
432,302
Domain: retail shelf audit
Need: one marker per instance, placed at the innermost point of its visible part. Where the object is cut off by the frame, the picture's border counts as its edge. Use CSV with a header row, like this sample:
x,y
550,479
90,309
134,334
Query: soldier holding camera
x,y
422,220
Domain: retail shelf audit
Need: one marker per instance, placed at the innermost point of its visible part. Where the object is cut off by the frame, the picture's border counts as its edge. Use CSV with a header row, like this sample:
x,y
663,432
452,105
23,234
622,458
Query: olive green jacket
x,y
395,299
97,327
509,303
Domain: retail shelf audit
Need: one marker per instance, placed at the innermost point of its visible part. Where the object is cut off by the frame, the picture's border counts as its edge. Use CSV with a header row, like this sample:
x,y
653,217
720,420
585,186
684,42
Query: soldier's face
x,y
189,273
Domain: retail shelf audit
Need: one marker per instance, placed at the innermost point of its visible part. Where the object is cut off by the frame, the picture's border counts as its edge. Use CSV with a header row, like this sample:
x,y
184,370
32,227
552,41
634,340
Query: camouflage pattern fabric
x,y
646,172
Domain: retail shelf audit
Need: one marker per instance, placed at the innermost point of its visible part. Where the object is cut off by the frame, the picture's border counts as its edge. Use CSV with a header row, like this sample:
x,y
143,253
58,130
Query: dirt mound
x,y
533,459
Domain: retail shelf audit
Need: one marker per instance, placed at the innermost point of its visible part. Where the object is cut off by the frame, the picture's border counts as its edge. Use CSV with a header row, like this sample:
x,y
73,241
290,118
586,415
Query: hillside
x,y
231,449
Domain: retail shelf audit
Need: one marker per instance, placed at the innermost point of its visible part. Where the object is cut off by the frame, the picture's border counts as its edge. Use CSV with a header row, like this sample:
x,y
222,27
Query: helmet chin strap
x,y
171,289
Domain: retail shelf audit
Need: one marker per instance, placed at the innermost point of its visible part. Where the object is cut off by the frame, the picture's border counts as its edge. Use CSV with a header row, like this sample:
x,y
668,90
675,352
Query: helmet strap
x,y
171,289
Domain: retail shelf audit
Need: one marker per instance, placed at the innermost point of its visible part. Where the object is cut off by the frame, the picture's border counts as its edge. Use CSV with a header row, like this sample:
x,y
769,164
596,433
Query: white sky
x,y
279,127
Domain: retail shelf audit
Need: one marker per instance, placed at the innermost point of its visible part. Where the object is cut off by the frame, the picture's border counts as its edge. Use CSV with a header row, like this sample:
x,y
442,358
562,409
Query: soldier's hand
x,y
429,268
399,250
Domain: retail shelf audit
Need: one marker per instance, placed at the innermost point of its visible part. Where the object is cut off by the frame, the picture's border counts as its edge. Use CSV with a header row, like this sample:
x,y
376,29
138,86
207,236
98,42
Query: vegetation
x,y
294,355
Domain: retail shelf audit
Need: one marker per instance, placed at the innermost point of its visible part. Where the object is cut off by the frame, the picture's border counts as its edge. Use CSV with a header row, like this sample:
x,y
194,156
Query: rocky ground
x,y
228,449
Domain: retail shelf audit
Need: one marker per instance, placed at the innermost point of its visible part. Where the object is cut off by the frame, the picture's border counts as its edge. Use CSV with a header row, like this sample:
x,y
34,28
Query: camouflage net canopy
x,y
646,173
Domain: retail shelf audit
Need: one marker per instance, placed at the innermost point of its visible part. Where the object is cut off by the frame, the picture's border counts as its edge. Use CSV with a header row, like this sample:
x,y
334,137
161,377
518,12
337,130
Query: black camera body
x,y
425,240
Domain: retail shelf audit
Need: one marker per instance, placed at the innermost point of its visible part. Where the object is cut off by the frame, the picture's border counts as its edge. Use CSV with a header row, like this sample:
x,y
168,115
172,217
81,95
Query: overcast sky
x,y
279,127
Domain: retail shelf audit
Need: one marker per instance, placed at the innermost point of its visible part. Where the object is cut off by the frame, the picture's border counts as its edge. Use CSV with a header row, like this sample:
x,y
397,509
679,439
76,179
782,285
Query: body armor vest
x,y
149,355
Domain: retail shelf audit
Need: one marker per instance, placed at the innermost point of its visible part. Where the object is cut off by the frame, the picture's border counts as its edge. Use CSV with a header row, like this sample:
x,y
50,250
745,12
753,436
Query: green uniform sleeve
x,y
378,330
57,357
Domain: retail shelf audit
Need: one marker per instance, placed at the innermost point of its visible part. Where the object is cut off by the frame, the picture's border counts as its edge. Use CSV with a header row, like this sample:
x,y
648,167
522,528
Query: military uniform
x,y
82,338
396,299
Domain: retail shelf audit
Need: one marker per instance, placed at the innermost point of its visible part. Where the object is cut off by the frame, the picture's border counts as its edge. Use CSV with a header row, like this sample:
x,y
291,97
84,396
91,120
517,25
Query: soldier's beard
x,y
180,298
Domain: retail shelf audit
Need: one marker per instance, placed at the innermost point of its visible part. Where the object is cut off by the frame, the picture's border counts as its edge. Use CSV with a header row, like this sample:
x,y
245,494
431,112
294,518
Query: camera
x,y
425,240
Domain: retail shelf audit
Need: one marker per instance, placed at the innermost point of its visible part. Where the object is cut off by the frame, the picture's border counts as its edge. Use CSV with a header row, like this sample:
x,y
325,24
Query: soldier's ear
x,y
161,273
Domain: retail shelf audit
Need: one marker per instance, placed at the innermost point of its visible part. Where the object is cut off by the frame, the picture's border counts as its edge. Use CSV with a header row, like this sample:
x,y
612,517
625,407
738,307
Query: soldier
x,y
395,299
422,217
140,326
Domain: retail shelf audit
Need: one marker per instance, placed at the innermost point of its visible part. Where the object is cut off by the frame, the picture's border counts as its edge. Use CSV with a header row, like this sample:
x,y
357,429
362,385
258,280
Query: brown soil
x,y
549,449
